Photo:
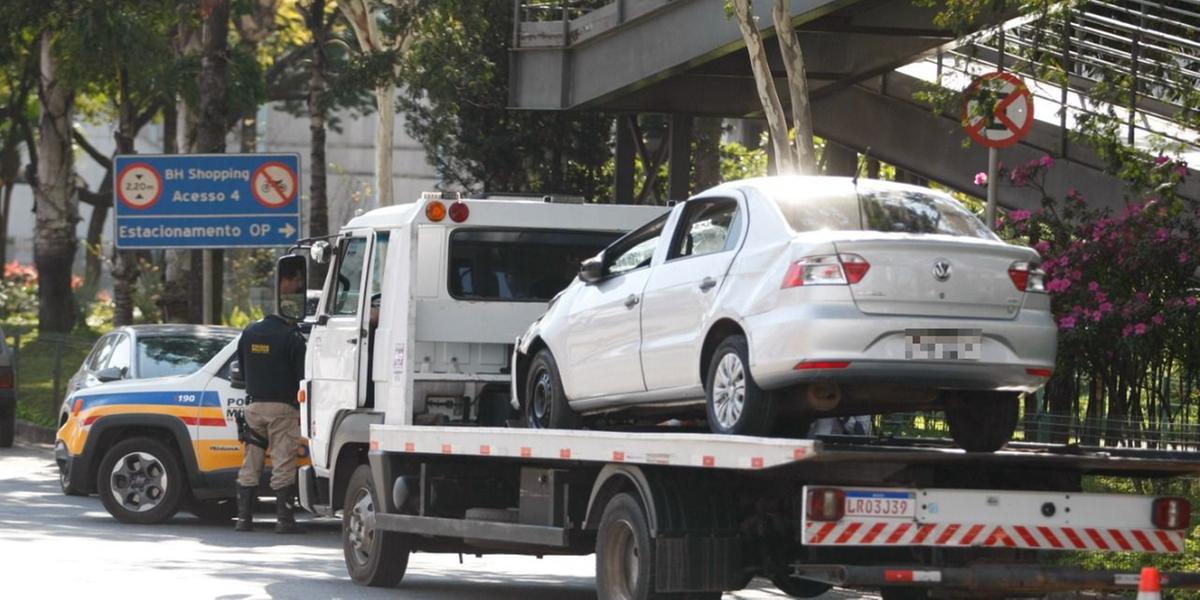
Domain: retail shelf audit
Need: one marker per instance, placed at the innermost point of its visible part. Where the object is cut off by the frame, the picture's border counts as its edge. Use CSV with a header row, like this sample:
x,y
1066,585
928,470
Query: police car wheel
x,y
140,481
374,557
8,424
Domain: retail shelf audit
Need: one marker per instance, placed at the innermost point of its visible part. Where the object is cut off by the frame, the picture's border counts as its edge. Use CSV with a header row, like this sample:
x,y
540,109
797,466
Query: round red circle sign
x,y
139,185
997,109
274,185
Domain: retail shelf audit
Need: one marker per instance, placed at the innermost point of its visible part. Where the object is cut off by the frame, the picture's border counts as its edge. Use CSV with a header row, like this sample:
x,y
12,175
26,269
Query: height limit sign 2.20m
x,y
202,201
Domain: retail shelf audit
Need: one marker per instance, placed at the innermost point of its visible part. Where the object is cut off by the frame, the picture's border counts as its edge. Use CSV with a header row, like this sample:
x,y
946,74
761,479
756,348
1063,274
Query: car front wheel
x,y
983,421
546,405
140,481
736,405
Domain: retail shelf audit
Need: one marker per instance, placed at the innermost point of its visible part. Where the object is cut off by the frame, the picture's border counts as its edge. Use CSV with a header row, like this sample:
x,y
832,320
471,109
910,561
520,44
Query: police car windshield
x,y
162,356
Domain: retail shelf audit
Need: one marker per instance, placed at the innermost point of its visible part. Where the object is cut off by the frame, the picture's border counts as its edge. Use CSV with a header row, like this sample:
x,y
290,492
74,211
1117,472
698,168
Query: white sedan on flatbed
x,y
778,300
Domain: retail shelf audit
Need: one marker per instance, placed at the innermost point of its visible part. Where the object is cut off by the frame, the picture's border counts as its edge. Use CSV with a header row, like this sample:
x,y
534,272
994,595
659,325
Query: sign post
x,y
997,112
206,201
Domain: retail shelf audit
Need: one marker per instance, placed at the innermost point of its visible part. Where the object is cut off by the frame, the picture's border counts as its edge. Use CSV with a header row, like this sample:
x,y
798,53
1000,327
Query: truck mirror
x,y
291,282
592,269
319,252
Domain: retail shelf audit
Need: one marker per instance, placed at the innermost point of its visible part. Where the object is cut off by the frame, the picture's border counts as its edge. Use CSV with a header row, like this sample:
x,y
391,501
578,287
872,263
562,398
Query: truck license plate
x,y
881,504
943,344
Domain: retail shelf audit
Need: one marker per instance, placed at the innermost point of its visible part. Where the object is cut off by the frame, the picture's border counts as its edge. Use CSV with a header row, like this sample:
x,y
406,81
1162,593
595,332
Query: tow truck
x,y
406,406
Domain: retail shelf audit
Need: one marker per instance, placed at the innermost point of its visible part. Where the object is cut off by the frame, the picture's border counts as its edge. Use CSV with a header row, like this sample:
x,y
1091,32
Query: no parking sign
x,y
997,109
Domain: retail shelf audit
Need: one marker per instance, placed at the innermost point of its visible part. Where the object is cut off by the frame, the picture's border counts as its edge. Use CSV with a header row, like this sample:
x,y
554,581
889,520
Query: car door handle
x,y
707,283
352,341
631,301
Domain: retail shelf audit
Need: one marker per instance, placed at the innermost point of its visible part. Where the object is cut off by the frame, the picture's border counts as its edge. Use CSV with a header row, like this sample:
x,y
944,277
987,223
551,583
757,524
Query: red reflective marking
x,y
1121,541
710,461
564,453
204,421
526,451
823,533
1097,538
91,419
899,533
618,456
1050,537
873,533
756,462
851,529
1144,541
898,576
972,533
410,447
447,449
799,453
1073,537
926,529
1028,537
999,536
374,444
1165,538
485,449
946,535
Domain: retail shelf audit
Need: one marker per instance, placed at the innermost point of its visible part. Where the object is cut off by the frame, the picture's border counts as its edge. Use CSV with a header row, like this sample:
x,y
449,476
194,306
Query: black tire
x,y
374,557
219,510
983,421
8,424
624,552
140,481
546,405
896,592
64,480
728,372
798,587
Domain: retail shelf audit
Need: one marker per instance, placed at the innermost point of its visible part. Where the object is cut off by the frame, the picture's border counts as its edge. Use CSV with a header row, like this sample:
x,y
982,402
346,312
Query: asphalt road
x,y
57,546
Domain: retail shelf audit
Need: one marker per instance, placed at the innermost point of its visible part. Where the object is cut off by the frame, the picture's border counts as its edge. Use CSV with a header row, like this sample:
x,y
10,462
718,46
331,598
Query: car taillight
x,y
1036,372
1027,277
435,211
826,504
1171,513
821,364
6,378
459,211
829,269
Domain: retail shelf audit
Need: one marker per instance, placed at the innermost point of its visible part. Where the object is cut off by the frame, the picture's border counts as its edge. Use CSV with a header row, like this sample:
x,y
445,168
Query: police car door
x,y
336,348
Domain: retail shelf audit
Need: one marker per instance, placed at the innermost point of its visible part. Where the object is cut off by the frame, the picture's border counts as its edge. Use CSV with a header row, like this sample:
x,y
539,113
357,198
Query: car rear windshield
x,y
512,265
881,209
161,356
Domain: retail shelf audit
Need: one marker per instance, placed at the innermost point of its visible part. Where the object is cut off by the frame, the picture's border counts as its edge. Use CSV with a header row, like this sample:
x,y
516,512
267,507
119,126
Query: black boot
x,y
245,508
285,521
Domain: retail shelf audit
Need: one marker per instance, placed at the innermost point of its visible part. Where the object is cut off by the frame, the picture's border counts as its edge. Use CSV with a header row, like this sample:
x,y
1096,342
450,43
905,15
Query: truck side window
x,y
348,283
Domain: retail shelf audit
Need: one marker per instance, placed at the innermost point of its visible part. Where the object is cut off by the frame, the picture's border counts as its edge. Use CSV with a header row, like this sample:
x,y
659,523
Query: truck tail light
x,y
826,504
435,211
1171,513
459,211
6,378
1027,277
301,396
829,269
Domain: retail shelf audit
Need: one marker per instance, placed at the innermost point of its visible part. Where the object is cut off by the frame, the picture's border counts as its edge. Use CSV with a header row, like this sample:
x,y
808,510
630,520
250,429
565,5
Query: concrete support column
x,y
623,161
840,160
679,166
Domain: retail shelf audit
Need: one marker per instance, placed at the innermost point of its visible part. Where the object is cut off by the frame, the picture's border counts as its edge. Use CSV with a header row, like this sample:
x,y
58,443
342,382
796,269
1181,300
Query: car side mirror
x,y
108,374
592,269
291,284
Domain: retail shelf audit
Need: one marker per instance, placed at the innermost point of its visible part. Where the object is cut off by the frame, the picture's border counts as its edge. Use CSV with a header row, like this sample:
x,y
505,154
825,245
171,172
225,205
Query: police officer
x,y
271,354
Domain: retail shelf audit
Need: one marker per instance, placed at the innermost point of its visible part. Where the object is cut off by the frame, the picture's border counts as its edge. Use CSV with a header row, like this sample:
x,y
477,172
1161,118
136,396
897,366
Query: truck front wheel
x,y
982,421
374,557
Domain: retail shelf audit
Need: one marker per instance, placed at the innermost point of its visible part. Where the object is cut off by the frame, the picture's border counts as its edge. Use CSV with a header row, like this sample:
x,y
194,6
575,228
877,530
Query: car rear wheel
x,y
736,405
983,421
8,424
546,405
140,481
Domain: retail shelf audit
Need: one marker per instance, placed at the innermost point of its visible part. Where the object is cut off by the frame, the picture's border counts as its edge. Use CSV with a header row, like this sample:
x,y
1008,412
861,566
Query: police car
x,y
150,447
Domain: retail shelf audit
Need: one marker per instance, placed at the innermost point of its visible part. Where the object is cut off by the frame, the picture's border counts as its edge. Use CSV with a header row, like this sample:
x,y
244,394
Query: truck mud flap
x,y
994,577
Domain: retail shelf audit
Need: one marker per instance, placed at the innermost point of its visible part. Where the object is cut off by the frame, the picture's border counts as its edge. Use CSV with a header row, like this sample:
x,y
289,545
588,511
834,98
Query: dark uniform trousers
x,y
279,424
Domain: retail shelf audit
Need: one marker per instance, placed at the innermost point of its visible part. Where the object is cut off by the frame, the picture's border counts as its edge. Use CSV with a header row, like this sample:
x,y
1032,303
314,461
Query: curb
x,y
34,434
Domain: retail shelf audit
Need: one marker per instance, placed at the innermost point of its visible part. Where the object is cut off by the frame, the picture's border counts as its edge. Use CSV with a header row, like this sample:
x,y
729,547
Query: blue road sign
x,y
206,200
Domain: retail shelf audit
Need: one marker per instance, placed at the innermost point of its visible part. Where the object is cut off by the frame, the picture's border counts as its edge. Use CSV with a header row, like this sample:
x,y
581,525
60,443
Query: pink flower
x,y
1046,161
1191,301
1096,316
1058,286
1067,322
1161,160
1183,258
1044,247
1125,331
1157,319
1141,297
1139,329
1019,215
1181,169
1162,234
1105,307
981,178
1093,286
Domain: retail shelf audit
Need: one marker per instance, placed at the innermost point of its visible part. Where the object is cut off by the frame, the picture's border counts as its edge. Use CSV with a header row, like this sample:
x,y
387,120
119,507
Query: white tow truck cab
x,y
407,418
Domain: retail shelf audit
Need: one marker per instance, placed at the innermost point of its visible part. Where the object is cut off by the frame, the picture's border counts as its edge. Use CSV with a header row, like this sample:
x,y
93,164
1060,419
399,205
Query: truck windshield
x,y
511,265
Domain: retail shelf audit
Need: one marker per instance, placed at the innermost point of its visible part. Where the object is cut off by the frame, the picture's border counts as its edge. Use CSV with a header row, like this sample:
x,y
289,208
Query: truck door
x,y
679,296
337,348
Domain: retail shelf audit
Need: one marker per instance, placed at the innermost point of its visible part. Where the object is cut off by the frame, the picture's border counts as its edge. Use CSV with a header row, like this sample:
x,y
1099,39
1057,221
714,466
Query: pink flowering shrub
x,y
1122,285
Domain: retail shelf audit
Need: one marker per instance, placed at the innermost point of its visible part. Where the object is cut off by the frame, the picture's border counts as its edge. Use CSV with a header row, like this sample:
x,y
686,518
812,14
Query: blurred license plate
x,y
943,344
872,503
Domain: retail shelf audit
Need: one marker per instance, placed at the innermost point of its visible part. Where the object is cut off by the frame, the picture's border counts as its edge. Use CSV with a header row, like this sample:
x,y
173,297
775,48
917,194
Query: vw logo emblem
x,y
941,269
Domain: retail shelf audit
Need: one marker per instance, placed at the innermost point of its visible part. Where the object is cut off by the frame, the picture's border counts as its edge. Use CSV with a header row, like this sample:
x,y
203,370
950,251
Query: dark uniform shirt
x,y
271,353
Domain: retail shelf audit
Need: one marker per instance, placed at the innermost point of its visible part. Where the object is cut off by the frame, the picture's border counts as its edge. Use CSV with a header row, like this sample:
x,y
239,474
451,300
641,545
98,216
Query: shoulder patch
x,y
260,348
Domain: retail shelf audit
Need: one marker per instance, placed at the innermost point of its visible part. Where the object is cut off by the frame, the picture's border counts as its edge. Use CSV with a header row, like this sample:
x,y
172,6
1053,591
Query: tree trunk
x,y
213,82
793,60
707,166
125,265
318,203
54,241
385,138
177,298
785,157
